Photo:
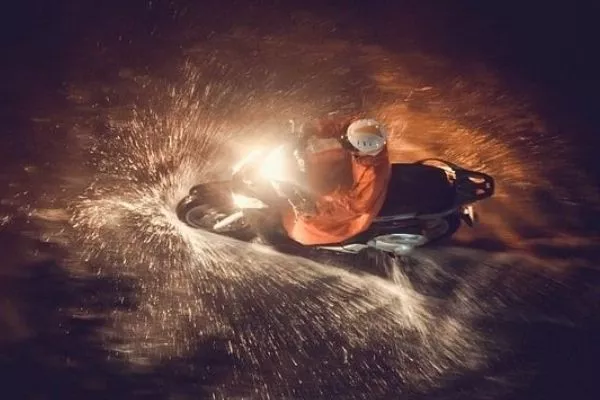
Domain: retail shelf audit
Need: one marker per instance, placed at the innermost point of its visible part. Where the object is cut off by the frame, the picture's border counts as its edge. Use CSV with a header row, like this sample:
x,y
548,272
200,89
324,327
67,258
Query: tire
x,y
198,213
453,221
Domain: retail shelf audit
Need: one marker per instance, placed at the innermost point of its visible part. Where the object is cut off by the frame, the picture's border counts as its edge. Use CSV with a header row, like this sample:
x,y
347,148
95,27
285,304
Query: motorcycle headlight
x,y
273,167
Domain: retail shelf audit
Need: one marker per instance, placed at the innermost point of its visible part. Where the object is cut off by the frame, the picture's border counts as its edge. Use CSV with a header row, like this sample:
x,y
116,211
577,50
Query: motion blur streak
x,y
312,324
239,320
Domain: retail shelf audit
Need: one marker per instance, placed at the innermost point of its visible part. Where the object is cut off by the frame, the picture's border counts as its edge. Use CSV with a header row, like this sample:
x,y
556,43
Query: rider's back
x,y
350,189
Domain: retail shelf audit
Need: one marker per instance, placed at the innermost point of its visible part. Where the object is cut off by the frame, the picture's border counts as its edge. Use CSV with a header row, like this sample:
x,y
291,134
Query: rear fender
x,y
471,186
207,189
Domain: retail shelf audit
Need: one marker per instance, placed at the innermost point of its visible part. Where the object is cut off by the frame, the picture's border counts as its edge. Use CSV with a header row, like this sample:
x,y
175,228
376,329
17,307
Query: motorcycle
x,y
427,200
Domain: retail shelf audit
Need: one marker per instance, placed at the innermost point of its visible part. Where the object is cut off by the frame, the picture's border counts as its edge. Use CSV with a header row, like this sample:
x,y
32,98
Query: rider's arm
x,y
371,176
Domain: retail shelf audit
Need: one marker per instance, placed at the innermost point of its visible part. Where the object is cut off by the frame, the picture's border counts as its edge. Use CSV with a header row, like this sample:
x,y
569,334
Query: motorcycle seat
x,y
417,189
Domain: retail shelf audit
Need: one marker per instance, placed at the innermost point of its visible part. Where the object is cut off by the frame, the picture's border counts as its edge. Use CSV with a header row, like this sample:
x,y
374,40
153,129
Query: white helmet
x,y
367,137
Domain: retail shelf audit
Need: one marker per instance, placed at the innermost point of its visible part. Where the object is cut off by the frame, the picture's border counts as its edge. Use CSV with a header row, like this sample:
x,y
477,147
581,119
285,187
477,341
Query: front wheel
x,y
197,213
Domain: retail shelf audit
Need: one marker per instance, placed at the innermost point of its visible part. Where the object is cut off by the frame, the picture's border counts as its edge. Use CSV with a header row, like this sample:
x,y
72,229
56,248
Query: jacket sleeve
x,y
371,176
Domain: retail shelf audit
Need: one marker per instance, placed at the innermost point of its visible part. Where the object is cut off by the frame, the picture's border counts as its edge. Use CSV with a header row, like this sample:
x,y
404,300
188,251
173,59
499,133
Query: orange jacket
x,y
346,210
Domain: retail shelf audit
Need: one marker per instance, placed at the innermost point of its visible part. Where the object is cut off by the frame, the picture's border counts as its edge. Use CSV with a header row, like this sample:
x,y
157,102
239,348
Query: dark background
x,y
541,47
546,49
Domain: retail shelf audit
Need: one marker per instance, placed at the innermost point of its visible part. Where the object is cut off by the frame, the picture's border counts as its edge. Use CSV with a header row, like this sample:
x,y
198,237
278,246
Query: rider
x,y
348,169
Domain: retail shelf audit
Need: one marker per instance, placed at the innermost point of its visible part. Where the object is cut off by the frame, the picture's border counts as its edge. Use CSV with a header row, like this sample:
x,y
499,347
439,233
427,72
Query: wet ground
x,y
110,113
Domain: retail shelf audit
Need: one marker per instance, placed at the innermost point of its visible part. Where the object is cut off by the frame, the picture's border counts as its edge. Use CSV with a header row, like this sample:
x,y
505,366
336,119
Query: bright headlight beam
x,y
273,168
248,159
